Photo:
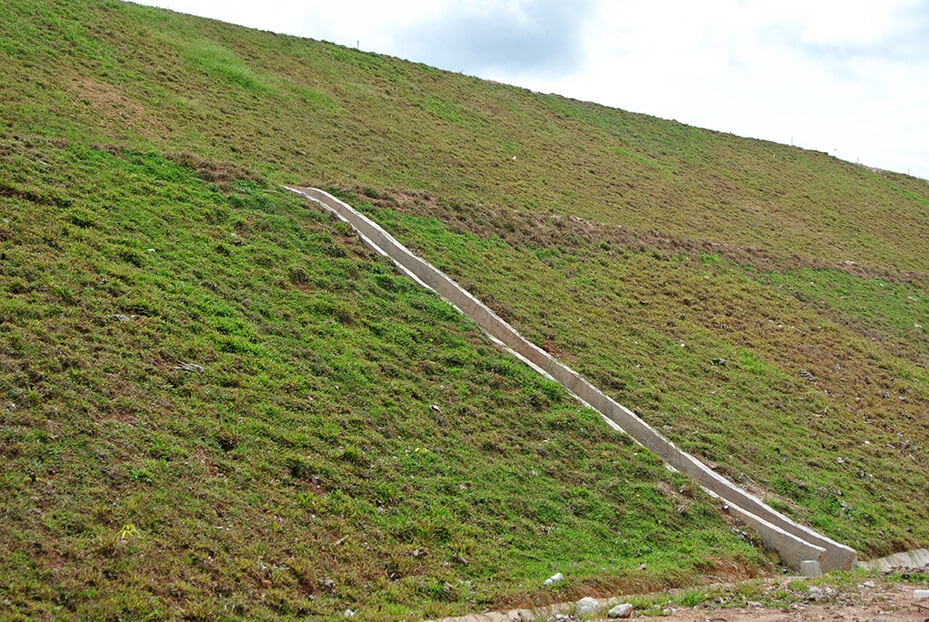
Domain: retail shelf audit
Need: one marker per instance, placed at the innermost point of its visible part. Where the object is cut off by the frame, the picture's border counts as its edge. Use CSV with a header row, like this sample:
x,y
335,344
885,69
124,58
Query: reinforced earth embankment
x,y
795,543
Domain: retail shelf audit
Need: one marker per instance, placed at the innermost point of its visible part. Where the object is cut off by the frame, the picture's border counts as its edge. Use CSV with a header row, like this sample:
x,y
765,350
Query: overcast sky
x,y
847,77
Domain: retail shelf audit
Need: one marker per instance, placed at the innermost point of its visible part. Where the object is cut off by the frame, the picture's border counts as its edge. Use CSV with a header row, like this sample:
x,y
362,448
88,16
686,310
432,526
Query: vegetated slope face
x,y
806,385
730,246
216,404
300,109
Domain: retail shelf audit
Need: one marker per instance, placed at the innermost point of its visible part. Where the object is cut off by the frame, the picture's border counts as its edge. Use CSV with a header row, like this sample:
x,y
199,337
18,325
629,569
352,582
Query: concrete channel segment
x,y
793,542
918,558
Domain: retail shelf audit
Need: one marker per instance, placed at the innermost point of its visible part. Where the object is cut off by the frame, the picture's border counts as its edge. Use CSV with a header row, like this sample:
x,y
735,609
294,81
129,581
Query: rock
x,y
754,603
818,594
920,593
621,611
808,376
555,578
587,607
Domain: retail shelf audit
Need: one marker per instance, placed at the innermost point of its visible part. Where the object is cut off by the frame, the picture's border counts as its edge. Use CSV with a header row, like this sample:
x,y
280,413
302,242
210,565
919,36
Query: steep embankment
x,y
795,282
297,109
217,403
819,409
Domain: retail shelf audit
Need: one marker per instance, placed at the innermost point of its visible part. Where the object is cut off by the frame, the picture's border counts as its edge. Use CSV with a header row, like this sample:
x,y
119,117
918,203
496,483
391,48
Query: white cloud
x,y
850,77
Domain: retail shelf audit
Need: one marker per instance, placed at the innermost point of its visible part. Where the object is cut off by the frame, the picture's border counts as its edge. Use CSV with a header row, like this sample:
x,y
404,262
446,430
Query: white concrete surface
x,y
810,568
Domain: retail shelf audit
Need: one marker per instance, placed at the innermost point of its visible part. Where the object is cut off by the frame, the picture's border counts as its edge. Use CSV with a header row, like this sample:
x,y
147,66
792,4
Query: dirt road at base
x,y
880,603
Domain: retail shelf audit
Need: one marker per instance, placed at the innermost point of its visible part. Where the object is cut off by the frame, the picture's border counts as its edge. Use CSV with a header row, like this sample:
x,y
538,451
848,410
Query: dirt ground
x,y
868,601
874,598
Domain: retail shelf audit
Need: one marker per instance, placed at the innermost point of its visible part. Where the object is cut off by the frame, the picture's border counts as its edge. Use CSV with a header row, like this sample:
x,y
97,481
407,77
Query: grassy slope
x,y
298,109
714,354
764,223
349,440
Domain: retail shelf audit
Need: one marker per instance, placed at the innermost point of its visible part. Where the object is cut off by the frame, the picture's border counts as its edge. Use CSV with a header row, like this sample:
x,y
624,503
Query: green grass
x,y
346,441
157,79
714,354
694,276
223,66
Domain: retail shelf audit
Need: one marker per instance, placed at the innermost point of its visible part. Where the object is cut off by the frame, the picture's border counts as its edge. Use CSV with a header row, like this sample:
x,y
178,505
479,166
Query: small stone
x,y
587,607
621,611
920,593
818,594
808,376
555,578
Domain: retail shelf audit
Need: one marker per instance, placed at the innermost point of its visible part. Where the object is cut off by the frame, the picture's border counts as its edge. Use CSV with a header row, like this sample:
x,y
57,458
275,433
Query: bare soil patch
x,y
882,602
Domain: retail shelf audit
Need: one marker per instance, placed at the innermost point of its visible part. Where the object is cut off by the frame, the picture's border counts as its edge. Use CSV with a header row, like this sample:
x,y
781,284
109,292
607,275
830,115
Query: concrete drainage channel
x,y
917,558
800,548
